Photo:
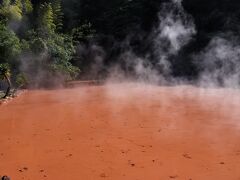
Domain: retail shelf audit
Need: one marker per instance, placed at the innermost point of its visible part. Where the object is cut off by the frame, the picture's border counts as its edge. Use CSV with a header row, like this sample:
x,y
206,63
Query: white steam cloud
x,y
37,71
135,69
93,57
175,30
220,63
176,27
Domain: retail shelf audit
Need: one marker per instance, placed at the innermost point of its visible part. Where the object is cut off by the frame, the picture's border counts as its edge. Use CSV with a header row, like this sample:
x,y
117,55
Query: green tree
x,y
61,50
56,52
11,11
57,14
15,10
83,33
5,74
27,6
21,80
10,45
46,20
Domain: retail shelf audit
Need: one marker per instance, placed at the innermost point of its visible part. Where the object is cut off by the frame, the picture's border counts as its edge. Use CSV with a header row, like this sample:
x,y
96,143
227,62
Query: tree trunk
x,y
9,86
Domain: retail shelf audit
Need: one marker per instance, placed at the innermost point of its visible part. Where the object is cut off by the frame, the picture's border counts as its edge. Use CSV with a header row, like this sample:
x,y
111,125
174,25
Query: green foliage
x,y
15,10
21,80
19,4
27,6
5,73
46,20
38,45
57,14
4,70
10,45
11,11
61,50
25,46
83,33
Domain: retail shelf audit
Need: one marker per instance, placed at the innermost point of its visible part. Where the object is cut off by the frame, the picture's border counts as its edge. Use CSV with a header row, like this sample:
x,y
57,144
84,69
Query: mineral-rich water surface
x,y
122,132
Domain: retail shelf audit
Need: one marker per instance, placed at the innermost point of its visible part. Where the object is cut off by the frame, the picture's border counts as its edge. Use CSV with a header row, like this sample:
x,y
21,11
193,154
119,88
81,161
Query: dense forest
x,y
47,42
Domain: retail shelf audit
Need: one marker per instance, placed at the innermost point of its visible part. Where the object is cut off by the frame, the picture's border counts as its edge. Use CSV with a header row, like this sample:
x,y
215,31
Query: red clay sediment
x,y
122,132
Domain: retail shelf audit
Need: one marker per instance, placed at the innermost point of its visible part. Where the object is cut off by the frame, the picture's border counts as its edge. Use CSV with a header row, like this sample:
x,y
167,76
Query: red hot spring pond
x,y
123,131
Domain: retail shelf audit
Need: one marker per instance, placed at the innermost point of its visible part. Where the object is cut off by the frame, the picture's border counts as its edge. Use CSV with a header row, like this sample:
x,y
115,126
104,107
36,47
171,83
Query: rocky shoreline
x,y
14,94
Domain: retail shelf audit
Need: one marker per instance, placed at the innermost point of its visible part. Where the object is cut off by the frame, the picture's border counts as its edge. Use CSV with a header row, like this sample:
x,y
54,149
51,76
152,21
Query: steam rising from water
x,y
175,30
220,63
37,71
94,54
201,105
135,69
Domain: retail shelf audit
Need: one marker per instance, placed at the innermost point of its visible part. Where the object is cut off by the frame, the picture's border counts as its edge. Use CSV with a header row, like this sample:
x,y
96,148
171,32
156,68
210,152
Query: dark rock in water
x,y
5,178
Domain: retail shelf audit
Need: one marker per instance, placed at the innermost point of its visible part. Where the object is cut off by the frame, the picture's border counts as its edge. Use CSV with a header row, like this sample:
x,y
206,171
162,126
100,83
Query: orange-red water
x,y
122,132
